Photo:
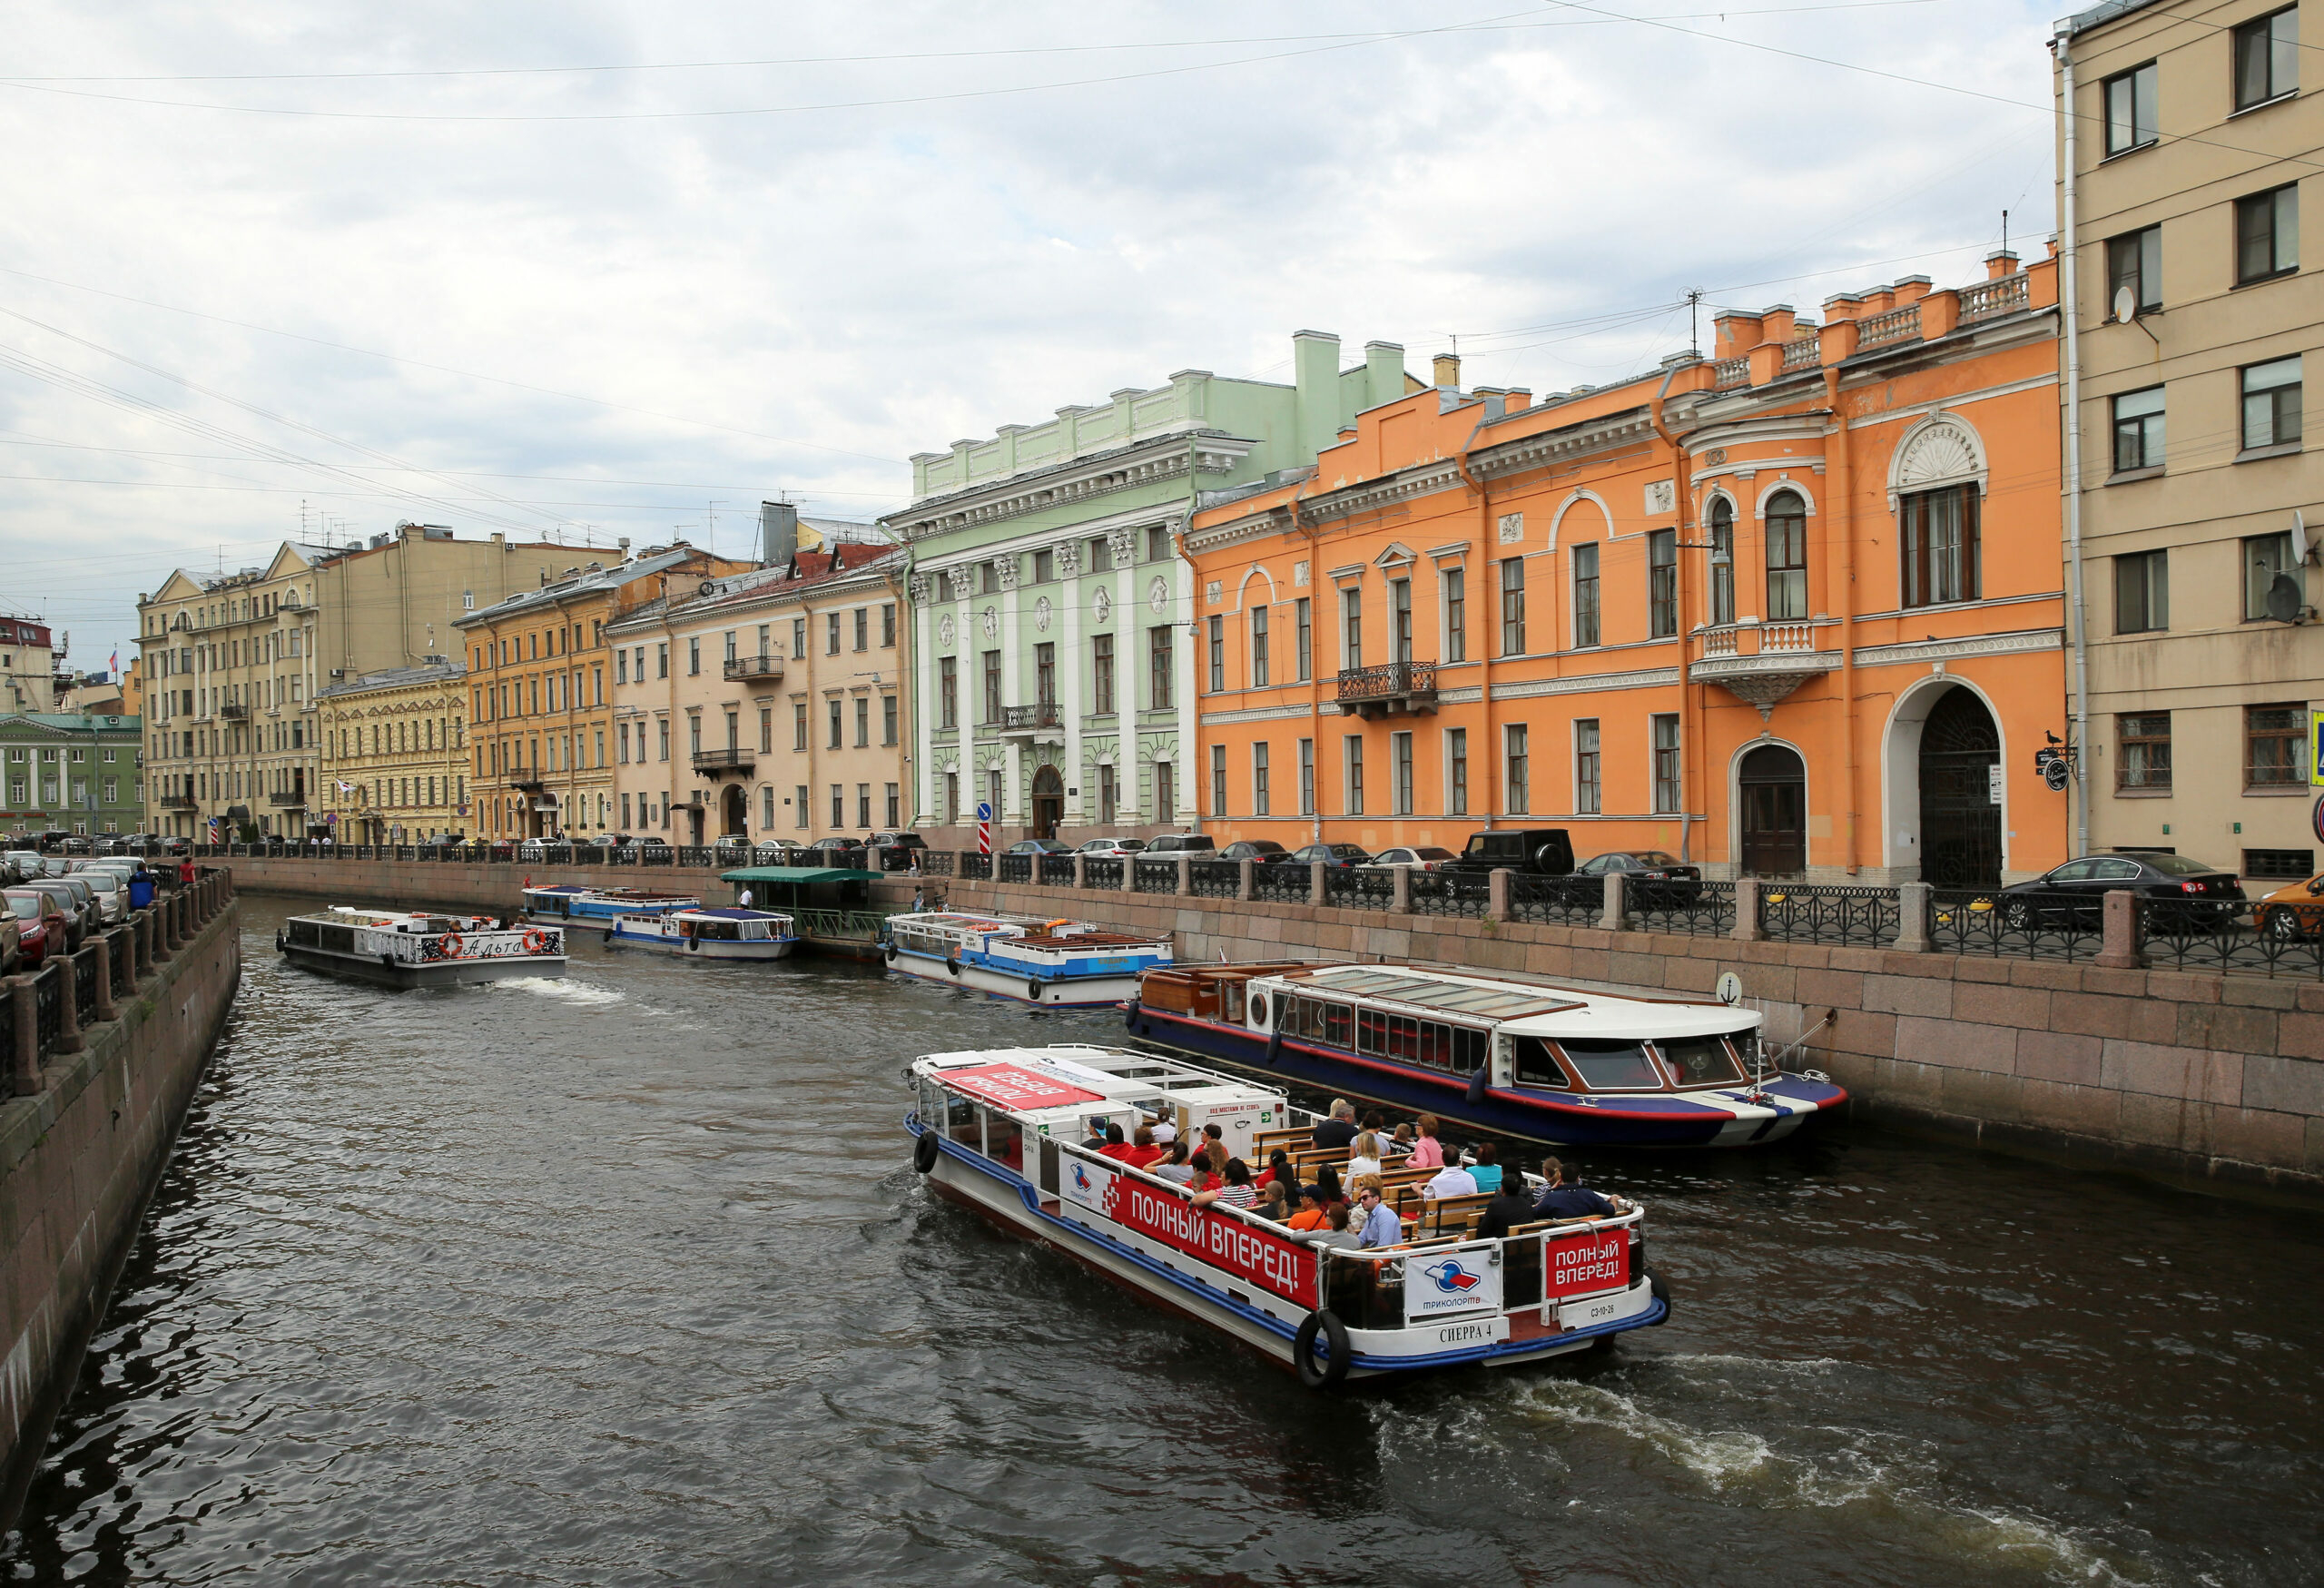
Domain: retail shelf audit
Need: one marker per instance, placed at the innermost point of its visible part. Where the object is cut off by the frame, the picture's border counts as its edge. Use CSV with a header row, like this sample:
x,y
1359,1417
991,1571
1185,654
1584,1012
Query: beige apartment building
x,y
28,663
395,754
2185,139
771,706
233,667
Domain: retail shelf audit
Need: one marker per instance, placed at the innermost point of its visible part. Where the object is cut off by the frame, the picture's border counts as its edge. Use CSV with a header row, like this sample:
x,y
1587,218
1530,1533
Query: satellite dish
x,y
2127,305
2283,599
2300,547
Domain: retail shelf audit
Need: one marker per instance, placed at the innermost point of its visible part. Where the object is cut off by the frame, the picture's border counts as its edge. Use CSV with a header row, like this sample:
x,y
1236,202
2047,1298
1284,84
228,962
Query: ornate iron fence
x,y
855,925
124,964
84,985
1349,887
1154,876
1451,893
2044,925
1055,870
48,1004
2192,935
1686,908
1013,868
1557,900
1282,884
1819,913
976,867
1215,879
1102,871
936,862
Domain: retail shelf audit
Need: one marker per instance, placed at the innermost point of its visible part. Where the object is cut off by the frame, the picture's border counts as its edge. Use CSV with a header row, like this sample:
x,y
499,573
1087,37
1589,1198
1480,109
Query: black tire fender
x,y
926,1150
1660,1288
953,965
1130,1012
1477,1084
891,954
1275,1050
1032,989
1334,1368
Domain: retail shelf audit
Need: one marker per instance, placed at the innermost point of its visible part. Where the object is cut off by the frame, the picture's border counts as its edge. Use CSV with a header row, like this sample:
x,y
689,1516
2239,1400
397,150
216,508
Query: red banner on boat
x,y
1279,1267
1011,1086
1575,1265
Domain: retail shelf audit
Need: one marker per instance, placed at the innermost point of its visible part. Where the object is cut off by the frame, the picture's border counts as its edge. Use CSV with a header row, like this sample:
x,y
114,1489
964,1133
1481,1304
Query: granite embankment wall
x,y
86,1133
2185,1076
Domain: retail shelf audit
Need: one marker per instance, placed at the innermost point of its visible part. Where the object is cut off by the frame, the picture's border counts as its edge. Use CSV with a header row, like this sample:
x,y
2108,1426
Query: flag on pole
x,y
113,666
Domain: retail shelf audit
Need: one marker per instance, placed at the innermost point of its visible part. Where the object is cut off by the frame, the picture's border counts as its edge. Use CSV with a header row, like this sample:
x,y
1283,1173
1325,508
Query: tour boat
x,y
708,935
1064,964
579,905
1002,1133
1545,1063
398,947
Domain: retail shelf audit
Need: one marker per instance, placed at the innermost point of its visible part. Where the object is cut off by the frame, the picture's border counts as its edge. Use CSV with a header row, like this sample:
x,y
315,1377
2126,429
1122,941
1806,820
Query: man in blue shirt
x,y
1380,1225
1564,1201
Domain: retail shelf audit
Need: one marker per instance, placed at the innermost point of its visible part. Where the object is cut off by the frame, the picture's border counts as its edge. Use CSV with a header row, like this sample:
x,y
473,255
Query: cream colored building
x,y
234,665
772,707
28,663
2198,302
394,766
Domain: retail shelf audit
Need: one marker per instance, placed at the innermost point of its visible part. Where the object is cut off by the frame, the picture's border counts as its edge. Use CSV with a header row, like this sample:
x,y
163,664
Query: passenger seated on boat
x,y
1175,1167
1211,1142
1380,1225
1376,1122
1427,1152
1279,1171
1165,1132
1115,1147
1563,1201
1483,1168
1339,1130
1365,1158
1336,1233
1401,1143
1143,1153
1327,1184
1512,1205
1312,1214
1452,1180
1273,1203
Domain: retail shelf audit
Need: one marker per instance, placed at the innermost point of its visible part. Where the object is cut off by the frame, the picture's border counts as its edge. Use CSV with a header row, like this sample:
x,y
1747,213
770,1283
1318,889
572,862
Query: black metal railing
x,y
767,667
1055,870
1215,879
2231,935
1013,868
1347,887
976,867
1687,908
1282,884
48,1004
733,758
2039,925
1019,719
85,986
124,966
1466,893
1818,912
1101,872
1154,876
1557,900
936,862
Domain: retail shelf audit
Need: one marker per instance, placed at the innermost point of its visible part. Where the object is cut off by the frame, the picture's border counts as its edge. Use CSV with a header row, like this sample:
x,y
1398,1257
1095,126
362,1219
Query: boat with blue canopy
x,y
708,935
1054,963
577,904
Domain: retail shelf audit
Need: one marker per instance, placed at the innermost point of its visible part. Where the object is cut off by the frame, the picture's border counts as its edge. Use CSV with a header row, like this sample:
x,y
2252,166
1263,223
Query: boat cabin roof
x,y
964,921
1066,1082
734,914
1521,1007
398,920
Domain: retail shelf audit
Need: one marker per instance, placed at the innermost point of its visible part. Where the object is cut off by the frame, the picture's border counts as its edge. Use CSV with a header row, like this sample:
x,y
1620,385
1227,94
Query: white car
x,y
1423,858
1112,848
112,891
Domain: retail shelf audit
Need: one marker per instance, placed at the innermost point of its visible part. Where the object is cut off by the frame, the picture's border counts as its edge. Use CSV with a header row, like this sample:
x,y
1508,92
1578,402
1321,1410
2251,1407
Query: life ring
x,y
1334,1368
450,947
926,1150
536,942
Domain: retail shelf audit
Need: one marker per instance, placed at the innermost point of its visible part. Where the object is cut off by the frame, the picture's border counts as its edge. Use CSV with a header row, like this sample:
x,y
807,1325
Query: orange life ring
x,y
536,942
450,947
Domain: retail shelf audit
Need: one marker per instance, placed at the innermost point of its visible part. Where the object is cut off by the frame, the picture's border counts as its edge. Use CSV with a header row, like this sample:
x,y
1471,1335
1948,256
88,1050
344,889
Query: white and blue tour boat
x,y
1544,1063
1003,1131
1056,964
401,948
708,935
577,904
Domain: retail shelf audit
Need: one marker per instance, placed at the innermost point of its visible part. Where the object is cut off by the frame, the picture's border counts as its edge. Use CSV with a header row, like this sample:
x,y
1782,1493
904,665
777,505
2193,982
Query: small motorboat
x,y
577,904
1056,964
708,935
400,948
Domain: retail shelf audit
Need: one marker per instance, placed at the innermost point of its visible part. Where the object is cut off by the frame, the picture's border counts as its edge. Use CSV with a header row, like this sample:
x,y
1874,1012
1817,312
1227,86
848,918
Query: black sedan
x,y
1335,855
1266,851
1651,878
2187,894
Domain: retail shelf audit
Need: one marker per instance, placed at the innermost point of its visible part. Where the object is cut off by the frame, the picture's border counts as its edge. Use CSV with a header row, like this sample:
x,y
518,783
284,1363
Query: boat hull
x,y
702,949
1157,1278
1047,992
1523,1113
433,973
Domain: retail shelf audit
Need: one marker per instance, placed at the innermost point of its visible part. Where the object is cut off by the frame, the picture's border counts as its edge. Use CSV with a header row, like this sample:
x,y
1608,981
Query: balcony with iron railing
x,y
1042,716
754,670
178,802
1390,690
526,782
733,758
234,712
296,800
1759,662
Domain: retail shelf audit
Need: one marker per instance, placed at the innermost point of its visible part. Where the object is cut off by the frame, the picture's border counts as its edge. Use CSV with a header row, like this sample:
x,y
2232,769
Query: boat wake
x,y
564,989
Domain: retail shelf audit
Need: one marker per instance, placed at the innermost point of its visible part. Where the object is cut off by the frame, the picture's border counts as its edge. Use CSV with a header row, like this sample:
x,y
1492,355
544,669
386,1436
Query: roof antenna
x,y
1694,329
2004,230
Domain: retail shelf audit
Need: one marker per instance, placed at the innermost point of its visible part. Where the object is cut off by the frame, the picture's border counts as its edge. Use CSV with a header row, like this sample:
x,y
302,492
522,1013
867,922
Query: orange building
x,y
1795,610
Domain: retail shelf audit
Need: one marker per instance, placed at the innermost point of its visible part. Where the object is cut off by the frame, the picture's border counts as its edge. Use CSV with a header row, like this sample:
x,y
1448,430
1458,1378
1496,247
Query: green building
x,y
69,773
1053,661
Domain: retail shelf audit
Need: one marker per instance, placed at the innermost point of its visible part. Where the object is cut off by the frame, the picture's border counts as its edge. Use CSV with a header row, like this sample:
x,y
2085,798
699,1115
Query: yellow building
x,y
395,755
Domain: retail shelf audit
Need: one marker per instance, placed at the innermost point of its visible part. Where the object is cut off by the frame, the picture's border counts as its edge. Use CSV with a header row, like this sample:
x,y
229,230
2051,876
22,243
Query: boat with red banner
x,y
1016,1134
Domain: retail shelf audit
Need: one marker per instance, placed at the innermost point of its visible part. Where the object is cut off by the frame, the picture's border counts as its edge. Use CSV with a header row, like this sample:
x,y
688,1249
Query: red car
x,y
34,912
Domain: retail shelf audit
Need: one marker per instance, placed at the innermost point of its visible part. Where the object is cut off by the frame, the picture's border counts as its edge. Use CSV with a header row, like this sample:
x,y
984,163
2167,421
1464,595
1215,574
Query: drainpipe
x,y
1485,552
2069,297
1691,716
1839,481
1314,676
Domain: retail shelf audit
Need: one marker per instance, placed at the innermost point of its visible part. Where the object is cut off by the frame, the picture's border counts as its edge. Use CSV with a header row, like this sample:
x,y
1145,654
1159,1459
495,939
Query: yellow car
x,y
2293,911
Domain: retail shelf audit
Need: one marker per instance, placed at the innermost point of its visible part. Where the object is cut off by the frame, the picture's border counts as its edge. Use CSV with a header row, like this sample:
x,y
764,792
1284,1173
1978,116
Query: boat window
x,y
1339,1025
1699,1060
719,931
932,1101
960,1122
1370,1031
1612,1066
1537,1065
1234,990
1404,1038
1004,1140
1471,1050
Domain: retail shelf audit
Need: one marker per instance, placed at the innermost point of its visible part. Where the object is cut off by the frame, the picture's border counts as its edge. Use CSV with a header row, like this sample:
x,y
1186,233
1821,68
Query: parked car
x,y
1652,877
1542,852
1037,846
1111,848
1332,855
40,924
1265,851
2295,909
175,844
729,846
2192,896
1200,844
780,851
78,844
75,902
16,865
11,940
1427,858
112,891
835,851
893,851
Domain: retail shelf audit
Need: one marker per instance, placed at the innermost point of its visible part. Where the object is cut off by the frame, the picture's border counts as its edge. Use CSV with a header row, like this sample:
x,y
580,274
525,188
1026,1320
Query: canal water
x,y
625,1279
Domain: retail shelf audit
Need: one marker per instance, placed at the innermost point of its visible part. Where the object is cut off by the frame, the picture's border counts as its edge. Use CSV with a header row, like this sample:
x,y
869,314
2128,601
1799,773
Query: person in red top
x,y
1143,1153
1427,1152
1278,1171
1115,1147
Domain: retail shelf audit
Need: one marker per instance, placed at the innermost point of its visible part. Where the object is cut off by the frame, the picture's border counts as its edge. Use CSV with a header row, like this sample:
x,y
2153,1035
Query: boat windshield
x,y
1700,1060
1606,1066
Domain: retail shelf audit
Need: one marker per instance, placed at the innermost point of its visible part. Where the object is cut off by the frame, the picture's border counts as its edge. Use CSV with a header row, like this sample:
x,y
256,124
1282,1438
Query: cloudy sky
x,y
617,268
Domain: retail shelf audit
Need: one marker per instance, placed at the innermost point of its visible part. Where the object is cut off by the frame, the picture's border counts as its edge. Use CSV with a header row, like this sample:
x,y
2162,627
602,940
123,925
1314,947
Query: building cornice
x,y
1156,461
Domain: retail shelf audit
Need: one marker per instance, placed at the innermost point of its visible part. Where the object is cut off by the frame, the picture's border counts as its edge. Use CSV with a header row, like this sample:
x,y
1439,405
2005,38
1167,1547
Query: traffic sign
x,y
984,828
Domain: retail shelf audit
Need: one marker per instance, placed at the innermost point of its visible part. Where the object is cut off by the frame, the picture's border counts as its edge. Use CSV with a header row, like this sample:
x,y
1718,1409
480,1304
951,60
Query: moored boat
x,y
1000,1132
577,904
400,948
1546,1063
709,934
1056,964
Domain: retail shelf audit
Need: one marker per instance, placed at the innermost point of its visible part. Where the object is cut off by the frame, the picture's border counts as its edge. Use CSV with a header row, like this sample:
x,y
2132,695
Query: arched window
x,y
1722,560
1787,556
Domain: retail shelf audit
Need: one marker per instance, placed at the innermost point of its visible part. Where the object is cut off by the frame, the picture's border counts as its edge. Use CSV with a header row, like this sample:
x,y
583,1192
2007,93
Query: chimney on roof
x,y
778,533
1448,371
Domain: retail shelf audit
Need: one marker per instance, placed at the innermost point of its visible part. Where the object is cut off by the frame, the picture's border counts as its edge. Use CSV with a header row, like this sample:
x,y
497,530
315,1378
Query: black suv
x,y
893,852
1540,851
